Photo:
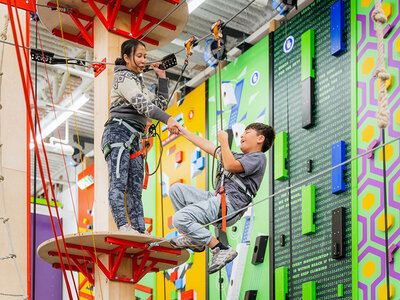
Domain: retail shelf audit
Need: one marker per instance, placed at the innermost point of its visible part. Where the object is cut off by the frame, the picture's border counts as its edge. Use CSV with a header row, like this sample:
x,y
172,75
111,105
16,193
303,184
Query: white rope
x,y
3,36
383,112
10,255
14,295
4,219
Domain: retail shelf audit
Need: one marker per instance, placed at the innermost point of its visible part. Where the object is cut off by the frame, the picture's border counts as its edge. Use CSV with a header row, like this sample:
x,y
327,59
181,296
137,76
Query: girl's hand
x,y
159,72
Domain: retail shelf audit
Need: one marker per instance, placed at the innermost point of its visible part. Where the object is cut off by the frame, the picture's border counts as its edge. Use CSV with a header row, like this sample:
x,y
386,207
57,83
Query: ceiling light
x,y
63,117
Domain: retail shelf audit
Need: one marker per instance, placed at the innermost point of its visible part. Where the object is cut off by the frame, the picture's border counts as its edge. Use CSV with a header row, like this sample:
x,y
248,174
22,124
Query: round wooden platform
x,y
133,247
82,11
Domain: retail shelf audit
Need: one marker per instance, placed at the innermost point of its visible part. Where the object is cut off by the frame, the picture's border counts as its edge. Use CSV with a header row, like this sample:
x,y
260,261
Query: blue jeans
x,y
195,208
130,183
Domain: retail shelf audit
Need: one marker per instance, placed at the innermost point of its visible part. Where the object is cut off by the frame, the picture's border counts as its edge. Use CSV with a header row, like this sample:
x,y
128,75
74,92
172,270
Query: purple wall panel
x,y
48,280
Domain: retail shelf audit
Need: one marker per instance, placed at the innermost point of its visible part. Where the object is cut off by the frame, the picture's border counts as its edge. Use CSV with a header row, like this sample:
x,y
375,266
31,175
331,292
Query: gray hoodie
x,y
130,98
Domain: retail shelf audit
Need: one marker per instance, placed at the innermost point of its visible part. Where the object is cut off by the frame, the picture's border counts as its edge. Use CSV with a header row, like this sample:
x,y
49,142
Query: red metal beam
x,y
142,246
115,268
71,37
23,4
113,7
83,30
114,13
119,252
74,10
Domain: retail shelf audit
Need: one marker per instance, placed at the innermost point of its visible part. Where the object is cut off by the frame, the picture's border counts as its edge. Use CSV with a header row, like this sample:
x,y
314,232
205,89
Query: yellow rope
x,y
77,135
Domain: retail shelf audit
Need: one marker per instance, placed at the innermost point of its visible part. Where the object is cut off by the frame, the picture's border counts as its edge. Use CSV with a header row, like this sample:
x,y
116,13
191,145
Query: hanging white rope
x,y
383,112
4,218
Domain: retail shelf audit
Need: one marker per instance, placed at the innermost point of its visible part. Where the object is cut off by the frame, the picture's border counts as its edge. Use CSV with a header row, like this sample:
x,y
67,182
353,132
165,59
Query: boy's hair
x,y
267,131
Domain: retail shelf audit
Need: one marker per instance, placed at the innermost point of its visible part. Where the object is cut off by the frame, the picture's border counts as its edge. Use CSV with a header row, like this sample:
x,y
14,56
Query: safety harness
x,y
127,146
222,173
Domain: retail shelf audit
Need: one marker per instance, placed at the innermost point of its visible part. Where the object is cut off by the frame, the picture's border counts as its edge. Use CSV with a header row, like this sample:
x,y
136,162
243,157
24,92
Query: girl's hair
x,y
128,47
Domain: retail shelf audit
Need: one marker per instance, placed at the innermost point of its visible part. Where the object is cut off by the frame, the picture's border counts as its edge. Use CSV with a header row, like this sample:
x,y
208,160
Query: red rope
x,y
62,149
44,150
25,88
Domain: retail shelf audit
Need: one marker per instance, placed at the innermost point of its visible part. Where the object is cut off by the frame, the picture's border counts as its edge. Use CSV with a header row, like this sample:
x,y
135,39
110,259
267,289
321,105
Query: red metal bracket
x,y
115,256
98,68
23,4
83,37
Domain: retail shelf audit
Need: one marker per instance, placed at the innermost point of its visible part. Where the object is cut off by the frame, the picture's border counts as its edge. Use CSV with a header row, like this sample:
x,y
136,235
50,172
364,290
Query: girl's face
x,y
137,61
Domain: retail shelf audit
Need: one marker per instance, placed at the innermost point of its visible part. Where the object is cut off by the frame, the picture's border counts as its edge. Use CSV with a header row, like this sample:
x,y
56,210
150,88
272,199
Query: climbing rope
x,y
27,83
383,112
382,116
62,148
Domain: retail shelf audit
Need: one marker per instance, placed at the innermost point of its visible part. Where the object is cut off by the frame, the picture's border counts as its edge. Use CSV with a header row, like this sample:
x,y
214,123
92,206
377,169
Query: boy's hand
x,y
222,136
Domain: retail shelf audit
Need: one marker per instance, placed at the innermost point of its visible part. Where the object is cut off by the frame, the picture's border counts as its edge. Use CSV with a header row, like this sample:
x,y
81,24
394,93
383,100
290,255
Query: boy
x,y
195,207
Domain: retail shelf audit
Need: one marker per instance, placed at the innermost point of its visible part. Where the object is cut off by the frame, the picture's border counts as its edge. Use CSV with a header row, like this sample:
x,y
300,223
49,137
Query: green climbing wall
x,y
249,76
308,256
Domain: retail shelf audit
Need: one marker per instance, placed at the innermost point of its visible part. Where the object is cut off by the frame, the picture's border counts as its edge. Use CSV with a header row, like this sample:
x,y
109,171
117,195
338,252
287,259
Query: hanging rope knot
x,y
379,16
382,74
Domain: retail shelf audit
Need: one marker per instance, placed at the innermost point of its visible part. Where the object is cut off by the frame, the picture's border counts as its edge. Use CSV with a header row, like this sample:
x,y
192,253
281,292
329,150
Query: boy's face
x,y
250,141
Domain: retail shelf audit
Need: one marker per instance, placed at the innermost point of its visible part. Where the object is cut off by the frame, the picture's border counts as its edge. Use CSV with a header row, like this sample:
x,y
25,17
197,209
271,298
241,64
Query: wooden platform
x,y
129,18
113,249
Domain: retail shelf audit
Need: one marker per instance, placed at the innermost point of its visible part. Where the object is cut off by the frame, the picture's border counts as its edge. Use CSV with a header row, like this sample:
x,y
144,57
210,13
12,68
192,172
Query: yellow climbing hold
x,y
382,292
387,10
368,133
368,201
398,188
367,65
388,153
398,45
398,117
381,222
389,83
365,3
368,269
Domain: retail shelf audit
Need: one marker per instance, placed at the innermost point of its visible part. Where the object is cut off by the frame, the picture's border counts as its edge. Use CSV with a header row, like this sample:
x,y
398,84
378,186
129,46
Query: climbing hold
x,y
381,222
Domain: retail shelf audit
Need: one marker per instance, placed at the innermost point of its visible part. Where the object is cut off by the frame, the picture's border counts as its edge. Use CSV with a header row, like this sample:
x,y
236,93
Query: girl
x,y
131,106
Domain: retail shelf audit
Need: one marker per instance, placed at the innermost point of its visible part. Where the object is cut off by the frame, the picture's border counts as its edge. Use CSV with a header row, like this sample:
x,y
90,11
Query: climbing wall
x,y
371,237
181,162
303,246
245,91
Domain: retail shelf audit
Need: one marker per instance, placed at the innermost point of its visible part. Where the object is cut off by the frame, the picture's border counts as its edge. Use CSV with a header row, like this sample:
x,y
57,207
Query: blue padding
x,y
164,127
338,156
337,28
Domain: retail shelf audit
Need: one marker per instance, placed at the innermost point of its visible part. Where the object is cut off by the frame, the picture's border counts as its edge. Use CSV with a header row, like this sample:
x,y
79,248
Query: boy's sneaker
x,y
184,242
128,228
221,258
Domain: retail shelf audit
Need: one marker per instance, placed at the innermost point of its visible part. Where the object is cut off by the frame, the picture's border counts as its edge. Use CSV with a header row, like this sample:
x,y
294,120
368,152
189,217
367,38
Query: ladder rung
x,y
4,219
10,255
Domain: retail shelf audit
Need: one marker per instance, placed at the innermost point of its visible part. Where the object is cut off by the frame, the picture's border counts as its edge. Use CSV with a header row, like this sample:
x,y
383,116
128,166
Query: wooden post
x,y
106,45
14,166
